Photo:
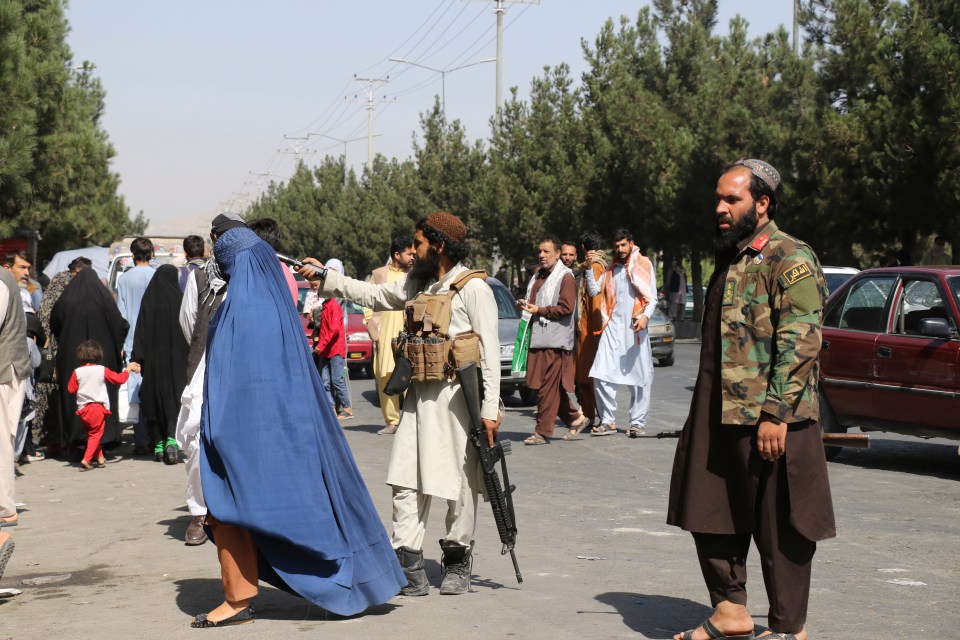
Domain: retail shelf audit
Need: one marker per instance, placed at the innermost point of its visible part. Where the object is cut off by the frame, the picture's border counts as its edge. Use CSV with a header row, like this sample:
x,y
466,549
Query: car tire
x,y
666,362
829,424
368,370
528,396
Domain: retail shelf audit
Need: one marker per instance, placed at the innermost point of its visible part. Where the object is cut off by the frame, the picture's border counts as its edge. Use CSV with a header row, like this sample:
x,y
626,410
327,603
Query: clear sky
x,y
200,94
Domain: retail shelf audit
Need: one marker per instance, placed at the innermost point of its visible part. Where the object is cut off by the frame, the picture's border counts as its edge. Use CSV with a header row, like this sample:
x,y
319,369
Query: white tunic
x,y
623,356
429,448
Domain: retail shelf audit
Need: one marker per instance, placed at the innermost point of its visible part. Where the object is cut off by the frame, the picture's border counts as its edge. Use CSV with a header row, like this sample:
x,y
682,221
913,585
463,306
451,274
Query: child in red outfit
x,y
89,384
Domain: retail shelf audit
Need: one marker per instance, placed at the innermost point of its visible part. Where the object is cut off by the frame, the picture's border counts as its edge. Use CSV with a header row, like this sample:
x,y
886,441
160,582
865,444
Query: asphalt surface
x,y
598,561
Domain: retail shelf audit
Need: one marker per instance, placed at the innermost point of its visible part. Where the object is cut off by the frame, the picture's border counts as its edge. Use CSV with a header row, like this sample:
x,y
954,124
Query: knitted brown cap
x,y
448,224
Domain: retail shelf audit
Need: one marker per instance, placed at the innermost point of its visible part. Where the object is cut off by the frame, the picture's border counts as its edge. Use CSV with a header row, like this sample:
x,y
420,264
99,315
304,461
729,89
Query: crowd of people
x,y
212,351
588,335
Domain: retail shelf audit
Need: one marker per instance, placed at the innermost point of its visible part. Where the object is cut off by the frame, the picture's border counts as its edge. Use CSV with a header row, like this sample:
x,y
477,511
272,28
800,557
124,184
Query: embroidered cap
x,y
448,224
762,170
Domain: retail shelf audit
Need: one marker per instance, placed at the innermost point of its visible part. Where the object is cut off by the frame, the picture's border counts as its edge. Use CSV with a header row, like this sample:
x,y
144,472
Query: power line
x,y
409,38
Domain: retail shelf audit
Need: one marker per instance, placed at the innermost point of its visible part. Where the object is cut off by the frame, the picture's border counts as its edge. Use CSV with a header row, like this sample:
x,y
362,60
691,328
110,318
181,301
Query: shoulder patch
x,y
795,275
728,292
760,242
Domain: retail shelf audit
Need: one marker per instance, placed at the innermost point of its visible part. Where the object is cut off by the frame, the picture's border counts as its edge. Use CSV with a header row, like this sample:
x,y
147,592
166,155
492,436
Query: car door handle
x,y
884,352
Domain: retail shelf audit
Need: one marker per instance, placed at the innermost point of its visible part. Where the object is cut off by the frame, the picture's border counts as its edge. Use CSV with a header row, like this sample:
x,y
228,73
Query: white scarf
x,y
549,292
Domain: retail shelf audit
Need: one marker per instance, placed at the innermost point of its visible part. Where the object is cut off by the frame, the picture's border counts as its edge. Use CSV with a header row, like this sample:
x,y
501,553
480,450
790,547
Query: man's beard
x,y
739,230
424,270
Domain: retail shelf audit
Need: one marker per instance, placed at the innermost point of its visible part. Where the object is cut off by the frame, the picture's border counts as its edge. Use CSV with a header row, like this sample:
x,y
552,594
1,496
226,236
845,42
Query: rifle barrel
x,y
851,440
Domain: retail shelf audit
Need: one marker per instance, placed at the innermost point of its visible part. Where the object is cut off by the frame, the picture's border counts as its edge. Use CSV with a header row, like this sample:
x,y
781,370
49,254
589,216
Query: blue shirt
x,y
130,288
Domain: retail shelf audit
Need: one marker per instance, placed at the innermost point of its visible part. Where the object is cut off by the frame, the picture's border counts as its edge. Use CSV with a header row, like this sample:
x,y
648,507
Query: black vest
x,y
207,305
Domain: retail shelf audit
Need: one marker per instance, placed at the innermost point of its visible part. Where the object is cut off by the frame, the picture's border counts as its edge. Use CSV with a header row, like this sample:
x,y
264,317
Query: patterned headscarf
x,y
762,170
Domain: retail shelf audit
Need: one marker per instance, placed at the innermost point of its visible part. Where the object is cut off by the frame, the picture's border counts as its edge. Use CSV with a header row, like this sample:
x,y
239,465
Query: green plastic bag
x,y
521,347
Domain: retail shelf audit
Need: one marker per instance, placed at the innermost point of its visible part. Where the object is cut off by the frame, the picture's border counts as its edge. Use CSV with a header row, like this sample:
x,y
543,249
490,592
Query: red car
x,y
891,353
359,346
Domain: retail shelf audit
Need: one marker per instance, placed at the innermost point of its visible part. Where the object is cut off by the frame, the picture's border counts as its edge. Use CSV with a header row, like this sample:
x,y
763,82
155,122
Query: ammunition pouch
x,y
433,354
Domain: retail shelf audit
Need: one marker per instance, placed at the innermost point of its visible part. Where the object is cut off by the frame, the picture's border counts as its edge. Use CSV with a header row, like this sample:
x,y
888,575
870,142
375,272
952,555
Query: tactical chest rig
x,y
426,342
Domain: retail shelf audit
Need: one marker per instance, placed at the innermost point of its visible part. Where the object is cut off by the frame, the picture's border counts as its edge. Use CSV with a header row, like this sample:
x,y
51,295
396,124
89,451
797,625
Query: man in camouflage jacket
x,y
750,461
770,330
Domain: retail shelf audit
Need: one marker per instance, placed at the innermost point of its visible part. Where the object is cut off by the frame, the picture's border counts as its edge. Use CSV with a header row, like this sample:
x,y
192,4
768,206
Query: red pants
x,y
94,418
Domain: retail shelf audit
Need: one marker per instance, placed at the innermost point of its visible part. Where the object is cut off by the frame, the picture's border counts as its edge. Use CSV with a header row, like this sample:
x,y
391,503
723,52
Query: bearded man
x,y
383,326
750,460
431,455
551,298
624,356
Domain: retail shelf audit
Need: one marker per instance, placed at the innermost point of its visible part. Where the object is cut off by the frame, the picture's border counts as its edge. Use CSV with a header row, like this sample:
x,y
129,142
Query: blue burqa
x,y
273,458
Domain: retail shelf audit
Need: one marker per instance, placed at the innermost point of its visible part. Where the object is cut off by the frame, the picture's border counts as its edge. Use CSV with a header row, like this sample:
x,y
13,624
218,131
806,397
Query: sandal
x,y
536,439
604,430
635,431
716,634
576,427
572,433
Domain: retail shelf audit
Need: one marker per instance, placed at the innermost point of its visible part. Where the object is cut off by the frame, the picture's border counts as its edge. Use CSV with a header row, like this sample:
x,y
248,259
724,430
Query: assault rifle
x,y
501,500
852,440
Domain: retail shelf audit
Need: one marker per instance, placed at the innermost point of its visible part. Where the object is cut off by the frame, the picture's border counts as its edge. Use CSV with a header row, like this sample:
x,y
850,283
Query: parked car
x,y
303,288
688,307
359,345
508,320
836,276
891,353
662,336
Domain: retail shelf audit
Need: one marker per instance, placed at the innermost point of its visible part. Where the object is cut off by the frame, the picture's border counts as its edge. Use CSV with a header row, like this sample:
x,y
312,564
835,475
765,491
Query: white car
x,y
836,276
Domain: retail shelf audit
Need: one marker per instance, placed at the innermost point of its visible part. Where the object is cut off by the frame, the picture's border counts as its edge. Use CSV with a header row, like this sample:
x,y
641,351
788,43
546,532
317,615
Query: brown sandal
x,y
604,430
536,439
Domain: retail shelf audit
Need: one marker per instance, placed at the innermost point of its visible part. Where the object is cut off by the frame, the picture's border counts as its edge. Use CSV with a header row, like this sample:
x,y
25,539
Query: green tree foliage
x,y
864,127
54,156
889,71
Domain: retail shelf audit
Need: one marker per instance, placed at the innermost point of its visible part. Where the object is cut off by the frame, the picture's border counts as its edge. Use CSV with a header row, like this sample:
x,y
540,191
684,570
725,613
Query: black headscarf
x,y
161,350
86,311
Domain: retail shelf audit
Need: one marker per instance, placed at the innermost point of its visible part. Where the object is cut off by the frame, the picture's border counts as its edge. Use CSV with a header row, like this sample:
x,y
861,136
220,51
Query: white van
x,y
166,250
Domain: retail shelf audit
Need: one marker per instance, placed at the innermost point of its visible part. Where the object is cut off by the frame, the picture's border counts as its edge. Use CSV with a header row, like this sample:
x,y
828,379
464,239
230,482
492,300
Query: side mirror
x,y
935,328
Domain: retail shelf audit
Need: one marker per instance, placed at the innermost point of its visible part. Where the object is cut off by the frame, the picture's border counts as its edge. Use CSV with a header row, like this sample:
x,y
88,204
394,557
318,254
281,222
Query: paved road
x,y
597,559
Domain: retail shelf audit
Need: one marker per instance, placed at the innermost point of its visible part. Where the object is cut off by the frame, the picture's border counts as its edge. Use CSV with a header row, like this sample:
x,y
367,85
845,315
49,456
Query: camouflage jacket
x,y
773,295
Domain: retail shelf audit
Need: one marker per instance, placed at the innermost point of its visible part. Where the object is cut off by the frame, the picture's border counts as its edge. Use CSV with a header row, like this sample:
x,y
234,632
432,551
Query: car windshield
x,y
125,263
506,306
955,287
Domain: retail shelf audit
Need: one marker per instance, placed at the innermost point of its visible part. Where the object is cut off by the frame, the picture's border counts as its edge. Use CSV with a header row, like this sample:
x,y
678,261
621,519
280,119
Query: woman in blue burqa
x,y
286,501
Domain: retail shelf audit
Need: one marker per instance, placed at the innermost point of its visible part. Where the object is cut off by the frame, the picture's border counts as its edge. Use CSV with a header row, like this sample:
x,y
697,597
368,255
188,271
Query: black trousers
x,y
785,557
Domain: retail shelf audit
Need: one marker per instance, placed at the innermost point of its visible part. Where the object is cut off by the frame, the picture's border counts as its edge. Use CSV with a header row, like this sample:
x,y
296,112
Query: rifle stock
x,y
500,500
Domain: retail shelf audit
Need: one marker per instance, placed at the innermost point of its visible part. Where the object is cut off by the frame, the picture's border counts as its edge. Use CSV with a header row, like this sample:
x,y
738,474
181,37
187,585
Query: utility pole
x,y
796,26
260,177
372,85
443,77
298,143
344,143
500,10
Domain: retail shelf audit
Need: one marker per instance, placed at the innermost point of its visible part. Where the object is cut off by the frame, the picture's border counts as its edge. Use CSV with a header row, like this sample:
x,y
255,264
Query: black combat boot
x,y
457,564
411,561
